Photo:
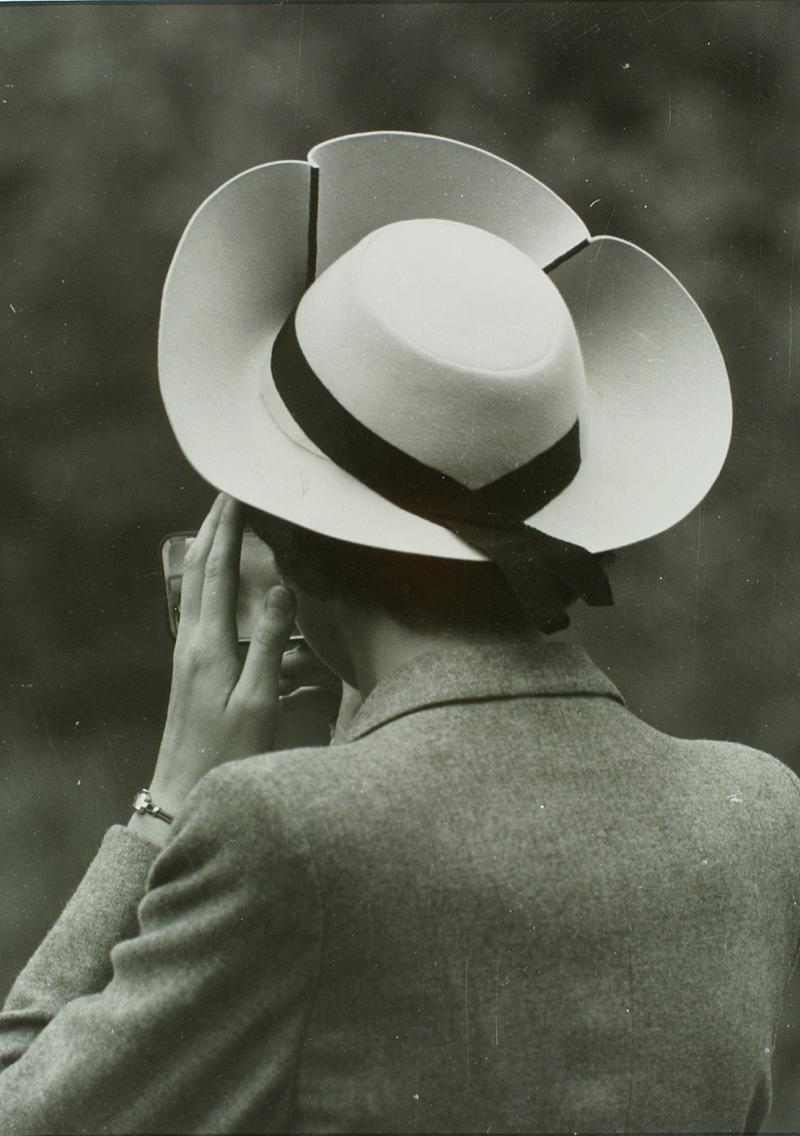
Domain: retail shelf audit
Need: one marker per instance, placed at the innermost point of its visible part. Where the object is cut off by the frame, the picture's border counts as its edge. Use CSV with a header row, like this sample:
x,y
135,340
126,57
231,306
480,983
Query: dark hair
x,y
424,592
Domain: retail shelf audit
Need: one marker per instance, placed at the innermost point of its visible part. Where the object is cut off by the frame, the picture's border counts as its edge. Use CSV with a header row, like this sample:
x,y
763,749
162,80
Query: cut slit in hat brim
x,y
656,422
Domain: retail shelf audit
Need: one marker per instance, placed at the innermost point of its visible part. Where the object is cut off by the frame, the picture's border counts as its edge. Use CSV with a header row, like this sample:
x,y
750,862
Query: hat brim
x,y
656,424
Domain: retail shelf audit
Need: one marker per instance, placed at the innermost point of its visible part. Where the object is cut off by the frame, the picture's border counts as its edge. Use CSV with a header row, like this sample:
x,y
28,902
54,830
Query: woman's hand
x,y
218,709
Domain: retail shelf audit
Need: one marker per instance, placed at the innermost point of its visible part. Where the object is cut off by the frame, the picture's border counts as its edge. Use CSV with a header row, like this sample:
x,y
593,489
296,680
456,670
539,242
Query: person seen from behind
x,y
498,901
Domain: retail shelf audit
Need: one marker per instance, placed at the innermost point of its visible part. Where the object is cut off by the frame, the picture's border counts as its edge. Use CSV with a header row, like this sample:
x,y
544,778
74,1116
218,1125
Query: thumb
x,y
270,635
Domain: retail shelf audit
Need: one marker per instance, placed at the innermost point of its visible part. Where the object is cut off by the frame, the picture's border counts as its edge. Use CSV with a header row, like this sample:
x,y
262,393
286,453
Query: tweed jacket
x,y
501,904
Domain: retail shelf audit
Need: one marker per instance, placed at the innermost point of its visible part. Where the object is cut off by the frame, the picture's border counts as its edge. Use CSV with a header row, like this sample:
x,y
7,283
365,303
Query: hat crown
x,y
449,343
459,294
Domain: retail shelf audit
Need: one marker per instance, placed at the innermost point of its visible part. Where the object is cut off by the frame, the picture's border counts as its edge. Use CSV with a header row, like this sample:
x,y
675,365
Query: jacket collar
x,y
494,671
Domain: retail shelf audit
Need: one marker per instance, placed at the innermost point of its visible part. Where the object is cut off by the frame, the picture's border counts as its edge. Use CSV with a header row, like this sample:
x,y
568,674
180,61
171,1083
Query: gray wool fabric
x,y
501,904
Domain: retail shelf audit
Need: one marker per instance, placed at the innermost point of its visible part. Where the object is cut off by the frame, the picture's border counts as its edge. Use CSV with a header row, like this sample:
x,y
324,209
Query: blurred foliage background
x,y
672,124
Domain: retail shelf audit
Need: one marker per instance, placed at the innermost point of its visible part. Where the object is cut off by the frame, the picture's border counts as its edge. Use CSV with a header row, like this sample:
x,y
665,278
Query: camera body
x,y
257,573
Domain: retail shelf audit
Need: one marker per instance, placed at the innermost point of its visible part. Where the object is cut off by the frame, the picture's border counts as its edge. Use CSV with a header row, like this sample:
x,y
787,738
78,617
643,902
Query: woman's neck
x,y
377,645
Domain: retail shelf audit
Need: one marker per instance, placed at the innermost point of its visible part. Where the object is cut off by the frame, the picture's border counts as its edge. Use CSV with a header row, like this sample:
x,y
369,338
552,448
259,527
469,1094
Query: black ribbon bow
x,y
490,519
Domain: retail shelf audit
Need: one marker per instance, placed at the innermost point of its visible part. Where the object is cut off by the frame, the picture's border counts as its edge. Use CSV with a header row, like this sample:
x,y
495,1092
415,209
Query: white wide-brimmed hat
x,y
445,321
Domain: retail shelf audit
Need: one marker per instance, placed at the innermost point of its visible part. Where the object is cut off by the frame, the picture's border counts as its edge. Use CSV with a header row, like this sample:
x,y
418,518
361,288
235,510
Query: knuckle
x,y
263,635
215,567
267,630
193,655
265,624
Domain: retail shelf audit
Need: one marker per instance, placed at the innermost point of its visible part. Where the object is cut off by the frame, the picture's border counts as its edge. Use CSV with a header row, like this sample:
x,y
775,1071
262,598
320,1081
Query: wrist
x,y
149,828
168,792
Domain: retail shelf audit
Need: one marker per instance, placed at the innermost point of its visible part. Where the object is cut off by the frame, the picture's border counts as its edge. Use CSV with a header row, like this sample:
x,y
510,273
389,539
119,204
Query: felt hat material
x,y
459,309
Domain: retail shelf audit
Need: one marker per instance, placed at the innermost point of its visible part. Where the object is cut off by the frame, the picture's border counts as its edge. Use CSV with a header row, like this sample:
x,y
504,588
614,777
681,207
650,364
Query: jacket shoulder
x,y
754,767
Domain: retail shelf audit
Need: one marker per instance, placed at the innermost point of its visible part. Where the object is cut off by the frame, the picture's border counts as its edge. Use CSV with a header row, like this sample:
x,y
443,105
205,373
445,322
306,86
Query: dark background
x,y
671,124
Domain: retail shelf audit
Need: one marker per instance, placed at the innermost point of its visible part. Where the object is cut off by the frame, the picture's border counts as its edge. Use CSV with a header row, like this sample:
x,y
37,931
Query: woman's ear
x,y
326,624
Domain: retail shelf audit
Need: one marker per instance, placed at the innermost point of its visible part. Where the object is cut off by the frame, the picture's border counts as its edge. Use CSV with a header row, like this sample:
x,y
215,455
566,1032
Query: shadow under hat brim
x,y
656,421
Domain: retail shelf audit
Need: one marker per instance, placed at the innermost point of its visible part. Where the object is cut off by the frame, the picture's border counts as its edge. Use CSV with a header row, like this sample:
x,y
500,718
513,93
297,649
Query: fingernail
x,y
280,599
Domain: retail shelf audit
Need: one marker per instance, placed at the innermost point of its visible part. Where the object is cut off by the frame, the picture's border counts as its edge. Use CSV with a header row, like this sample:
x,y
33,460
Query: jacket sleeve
x,y
191,1021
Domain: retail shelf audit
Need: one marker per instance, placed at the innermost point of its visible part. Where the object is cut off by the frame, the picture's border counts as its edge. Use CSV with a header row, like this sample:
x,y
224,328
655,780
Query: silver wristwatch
x,y
143,803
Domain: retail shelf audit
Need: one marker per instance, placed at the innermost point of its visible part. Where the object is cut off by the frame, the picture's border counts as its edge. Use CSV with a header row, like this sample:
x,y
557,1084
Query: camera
x,y
257,573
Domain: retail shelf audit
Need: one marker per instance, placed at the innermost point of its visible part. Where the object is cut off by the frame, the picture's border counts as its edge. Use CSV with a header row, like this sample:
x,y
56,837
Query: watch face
x,y
141,801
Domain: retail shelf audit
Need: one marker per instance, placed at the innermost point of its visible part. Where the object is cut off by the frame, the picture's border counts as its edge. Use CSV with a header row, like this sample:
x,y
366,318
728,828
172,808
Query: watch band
x,y
143,804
